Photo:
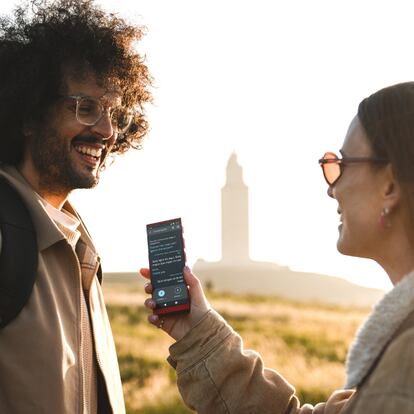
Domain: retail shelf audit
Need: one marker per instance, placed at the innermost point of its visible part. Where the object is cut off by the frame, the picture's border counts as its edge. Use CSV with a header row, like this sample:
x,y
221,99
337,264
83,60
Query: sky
x,y
278,82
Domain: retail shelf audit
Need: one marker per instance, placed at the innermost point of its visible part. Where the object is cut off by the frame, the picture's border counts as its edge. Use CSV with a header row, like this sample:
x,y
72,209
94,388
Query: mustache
x,y
89,139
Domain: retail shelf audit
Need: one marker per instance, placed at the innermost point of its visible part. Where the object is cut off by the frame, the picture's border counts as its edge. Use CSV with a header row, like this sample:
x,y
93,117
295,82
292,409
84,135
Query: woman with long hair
x,y
372,181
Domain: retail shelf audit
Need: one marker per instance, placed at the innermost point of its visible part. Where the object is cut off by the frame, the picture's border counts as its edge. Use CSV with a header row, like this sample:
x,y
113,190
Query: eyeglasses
x,y
90,110
332,165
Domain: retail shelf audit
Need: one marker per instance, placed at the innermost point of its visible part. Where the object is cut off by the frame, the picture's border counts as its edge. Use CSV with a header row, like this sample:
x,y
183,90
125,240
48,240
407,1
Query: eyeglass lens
x,y
331,167
89,112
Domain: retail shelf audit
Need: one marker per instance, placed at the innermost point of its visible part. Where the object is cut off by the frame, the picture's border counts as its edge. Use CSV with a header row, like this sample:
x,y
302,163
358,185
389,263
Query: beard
x,y
54,159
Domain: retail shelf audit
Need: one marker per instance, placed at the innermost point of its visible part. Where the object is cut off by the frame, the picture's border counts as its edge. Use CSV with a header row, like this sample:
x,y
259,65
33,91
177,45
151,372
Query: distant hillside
x,y
270,279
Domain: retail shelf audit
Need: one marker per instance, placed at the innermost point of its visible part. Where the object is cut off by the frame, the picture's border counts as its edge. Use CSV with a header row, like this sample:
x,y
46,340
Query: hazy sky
x,y
276,81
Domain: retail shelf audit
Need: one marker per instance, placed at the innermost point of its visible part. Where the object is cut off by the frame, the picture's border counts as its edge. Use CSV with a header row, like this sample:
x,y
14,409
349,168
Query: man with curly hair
x,y
72,92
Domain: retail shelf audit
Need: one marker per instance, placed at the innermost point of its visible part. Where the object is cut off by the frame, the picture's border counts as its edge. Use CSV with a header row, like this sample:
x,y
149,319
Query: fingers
x,y
150,303
306,409
148,288
339,395
319,408
199,307
337,400
154,320
145,273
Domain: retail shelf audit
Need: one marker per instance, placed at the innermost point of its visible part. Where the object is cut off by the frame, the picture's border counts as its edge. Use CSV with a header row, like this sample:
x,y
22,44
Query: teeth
x,y
83,149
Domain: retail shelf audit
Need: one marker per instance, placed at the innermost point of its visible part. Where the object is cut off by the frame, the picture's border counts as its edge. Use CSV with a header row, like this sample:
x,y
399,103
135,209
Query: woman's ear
x,y
391,189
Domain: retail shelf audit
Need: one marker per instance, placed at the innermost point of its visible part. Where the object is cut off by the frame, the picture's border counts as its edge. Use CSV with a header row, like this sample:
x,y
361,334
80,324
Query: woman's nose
x,y
330,192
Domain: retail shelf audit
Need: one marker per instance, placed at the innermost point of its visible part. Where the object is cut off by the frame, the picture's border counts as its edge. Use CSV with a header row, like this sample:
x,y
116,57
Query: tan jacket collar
x,y
47,231
379,329
85,236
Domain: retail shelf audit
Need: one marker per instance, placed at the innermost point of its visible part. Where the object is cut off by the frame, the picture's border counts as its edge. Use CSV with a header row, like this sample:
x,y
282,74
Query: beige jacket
x,y
42,351
216,375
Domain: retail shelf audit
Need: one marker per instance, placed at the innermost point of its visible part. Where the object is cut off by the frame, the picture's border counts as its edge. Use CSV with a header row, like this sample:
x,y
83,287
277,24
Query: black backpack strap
x,y
18,254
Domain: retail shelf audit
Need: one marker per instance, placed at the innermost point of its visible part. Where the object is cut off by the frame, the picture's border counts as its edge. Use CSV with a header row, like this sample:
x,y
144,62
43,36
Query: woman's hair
x,y
48,37
387,117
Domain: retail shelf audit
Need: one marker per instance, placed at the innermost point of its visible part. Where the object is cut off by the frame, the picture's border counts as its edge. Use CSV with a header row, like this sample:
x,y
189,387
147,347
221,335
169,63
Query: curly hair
x,y
43,39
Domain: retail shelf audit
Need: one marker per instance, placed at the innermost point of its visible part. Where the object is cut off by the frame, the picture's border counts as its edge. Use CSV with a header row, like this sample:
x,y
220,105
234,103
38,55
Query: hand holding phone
x,y
167,272
177,325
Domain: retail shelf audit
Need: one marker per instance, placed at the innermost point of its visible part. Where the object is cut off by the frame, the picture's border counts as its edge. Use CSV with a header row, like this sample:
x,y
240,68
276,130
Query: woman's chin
x,y
342,246
346,248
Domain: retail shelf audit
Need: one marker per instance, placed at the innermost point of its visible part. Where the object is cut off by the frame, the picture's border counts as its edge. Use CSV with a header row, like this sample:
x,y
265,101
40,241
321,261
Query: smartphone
x,y
166,261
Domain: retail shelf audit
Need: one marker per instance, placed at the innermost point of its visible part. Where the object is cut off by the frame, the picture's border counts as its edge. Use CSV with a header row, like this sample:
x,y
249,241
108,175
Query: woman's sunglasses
x,y
333,166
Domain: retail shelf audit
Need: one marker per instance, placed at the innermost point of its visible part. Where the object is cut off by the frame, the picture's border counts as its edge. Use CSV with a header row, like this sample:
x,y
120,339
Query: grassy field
x,y
306,343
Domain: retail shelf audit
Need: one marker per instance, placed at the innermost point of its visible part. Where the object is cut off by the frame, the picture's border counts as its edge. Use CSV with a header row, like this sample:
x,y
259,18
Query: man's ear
x,y
391,189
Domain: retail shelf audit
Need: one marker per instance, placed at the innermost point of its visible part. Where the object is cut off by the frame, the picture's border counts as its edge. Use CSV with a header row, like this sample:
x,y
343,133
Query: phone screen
x,y
167,261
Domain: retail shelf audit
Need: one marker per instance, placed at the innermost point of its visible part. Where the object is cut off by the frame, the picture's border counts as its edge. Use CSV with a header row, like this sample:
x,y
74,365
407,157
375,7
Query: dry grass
x,y
306,343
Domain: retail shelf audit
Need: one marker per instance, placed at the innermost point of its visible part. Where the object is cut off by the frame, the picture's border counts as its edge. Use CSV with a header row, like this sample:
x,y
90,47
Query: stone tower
x,y
235,214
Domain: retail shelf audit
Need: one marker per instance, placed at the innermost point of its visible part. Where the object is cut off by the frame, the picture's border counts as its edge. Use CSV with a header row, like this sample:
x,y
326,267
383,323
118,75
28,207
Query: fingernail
x,y
187,268
153,318
146,285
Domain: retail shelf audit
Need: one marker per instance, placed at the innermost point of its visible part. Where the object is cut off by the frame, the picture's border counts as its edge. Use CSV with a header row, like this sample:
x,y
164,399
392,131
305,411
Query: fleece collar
x,y
378,329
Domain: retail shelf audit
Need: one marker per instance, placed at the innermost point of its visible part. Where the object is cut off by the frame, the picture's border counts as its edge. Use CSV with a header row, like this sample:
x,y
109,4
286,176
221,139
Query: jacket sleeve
x,y
216,375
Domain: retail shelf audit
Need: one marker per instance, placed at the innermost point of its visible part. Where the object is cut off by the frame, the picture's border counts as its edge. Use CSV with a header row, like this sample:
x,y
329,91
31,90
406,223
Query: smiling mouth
x,y
91,154
87,150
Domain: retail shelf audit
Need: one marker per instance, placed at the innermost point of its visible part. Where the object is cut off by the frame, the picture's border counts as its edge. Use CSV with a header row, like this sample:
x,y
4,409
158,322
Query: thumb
x,y
191,280
196,291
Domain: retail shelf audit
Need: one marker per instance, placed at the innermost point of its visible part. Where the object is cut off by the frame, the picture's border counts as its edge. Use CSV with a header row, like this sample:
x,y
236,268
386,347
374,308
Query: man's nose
x,y
330,191
104,127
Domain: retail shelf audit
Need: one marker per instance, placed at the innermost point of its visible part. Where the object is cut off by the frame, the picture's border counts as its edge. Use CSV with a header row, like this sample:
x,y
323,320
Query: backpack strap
x,y
18,254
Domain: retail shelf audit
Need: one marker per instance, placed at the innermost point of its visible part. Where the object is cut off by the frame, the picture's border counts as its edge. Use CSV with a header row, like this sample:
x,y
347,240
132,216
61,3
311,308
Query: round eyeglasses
x,y
90,110
333,166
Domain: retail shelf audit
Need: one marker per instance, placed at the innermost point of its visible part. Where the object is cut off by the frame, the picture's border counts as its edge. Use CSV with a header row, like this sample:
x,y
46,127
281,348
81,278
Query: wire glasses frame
x,y
332,165
89,111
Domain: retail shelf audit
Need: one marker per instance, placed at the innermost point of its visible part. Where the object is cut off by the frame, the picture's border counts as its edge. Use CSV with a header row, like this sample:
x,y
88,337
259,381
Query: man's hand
x,y
178,325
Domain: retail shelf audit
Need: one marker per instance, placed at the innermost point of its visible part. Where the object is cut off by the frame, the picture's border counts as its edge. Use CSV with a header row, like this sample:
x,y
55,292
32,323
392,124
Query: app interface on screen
x,y
167,263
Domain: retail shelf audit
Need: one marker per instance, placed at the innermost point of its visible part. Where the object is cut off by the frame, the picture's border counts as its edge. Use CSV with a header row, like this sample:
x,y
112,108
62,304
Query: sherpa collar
x,y
378,329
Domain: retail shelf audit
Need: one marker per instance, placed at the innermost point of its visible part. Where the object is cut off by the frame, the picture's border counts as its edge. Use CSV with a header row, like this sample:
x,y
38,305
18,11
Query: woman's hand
x,y
178,325
335,403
